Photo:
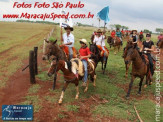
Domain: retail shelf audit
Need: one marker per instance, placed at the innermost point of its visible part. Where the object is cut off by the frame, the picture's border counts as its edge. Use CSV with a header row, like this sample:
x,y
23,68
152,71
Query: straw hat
x,y
84,41
99,31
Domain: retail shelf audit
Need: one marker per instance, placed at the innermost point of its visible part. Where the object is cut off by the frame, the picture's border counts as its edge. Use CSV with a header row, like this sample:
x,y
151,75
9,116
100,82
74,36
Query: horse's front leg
x,y
77,92
130,86
140,84
115,50
105,64
146,83
62,94
86,88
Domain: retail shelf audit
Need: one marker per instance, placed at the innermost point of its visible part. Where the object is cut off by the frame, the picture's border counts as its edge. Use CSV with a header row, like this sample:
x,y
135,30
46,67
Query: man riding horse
x,y
68,40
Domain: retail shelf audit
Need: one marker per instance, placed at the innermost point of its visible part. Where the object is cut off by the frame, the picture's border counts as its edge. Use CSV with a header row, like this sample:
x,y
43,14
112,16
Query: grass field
x,y
16,39
110,90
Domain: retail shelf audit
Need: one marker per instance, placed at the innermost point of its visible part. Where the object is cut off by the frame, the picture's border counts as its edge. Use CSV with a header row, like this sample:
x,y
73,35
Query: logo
x,y
17,112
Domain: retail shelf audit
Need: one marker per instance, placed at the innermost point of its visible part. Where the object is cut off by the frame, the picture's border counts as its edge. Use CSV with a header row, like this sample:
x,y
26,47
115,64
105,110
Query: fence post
x,y
31,67
35,60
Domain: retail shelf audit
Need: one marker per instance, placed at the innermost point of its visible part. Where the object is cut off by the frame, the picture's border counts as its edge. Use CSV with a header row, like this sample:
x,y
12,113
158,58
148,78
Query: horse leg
x,y
94,80
126,76
77,92
102,64
62,94
115,50
86,88
146,83
140,84
130,86
105,64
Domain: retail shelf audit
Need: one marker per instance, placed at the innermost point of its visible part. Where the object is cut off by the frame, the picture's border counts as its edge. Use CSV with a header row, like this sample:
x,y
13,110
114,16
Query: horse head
x,y
48,49
131,54
109,40
54,67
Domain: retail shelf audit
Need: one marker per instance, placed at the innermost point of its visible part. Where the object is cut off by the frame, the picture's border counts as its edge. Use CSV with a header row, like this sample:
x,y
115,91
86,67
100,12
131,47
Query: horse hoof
x,y
139,93
85,90
60,102
150,83
127,97
145,86
76,97
94,85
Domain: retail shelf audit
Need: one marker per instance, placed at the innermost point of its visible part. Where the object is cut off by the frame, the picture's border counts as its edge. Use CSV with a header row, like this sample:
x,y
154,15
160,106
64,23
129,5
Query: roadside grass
x,y
33,100
16,41
73,108
34,88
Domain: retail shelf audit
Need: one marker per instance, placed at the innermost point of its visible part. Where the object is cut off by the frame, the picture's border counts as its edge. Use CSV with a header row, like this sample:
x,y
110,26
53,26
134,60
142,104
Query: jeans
x,y
150,63
70,53
85,63
104,53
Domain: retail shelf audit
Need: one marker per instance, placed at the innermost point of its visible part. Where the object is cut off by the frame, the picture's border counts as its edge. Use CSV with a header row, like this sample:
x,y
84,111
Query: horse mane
x,y
59,53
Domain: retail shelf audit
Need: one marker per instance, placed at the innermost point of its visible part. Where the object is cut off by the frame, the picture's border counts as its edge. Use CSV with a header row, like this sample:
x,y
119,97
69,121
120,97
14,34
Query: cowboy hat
x,y
68,27
99,31
84,41
134,30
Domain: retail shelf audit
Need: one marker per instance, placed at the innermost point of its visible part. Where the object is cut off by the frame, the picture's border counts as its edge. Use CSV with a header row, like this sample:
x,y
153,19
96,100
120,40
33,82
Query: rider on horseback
x,y
119,35
148,47
68,41
99,40
134,37
84,55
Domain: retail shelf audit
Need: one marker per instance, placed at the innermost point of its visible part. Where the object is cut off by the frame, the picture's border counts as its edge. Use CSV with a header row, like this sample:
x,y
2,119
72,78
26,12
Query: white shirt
x,y
98,40
103,40
67,39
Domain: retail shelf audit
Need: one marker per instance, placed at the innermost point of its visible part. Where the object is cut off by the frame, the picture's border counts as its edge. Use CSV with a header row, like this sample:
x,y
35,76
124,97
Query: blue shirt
x,y
118,34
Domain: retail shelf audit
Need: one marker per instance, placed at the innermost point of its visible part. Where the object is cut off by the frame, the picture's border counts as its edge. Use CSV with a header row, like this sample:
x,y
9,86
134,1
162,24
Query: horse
x,y
115,42
128,46
160,44
51,48
141,36
140,68
70,77
96,56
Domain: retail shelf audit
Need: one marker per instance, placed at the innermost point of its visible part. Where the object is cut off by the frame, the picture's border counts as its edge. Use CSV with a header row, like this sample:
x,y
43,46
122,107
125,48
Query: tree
x,y
159,30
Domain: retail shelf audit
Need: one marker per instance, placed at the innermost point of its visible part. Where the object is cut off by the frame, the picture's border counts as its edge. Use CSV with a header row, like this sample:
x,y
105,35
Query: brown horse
x,y
160,44
70,76
140,69
128,46
52,48
115,42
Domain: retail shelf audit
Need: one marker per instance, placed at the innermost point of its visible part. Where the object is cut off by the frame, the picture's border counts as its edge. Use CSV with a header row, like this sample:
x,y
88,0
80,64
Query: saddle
x,y
66,51
78,67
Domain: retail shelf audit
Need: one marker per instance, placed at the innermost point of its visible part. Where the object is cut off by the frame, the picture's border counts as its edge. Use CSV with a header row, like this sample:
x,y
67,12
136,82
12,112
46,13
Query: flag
x,y
104,14
65,22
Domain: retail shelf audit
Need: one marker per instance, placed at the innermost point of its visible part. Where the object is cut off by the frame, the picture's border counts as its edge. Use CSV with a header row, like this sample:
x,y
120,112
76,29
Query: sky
x,y
136,14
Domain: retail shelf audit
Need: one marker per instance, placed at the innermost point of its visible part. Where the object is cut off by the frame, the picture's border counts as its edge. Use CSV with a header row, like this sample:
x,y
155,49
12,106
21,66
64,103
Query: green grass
x,y
34,88
73,108
16,41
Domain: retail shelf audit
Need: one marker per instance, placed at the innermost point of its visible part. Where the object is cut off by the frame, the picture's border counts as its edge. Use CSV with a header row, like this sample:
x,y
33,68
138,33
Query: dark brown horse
x,y
115,42
141,36
96,56
70,76
140,68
